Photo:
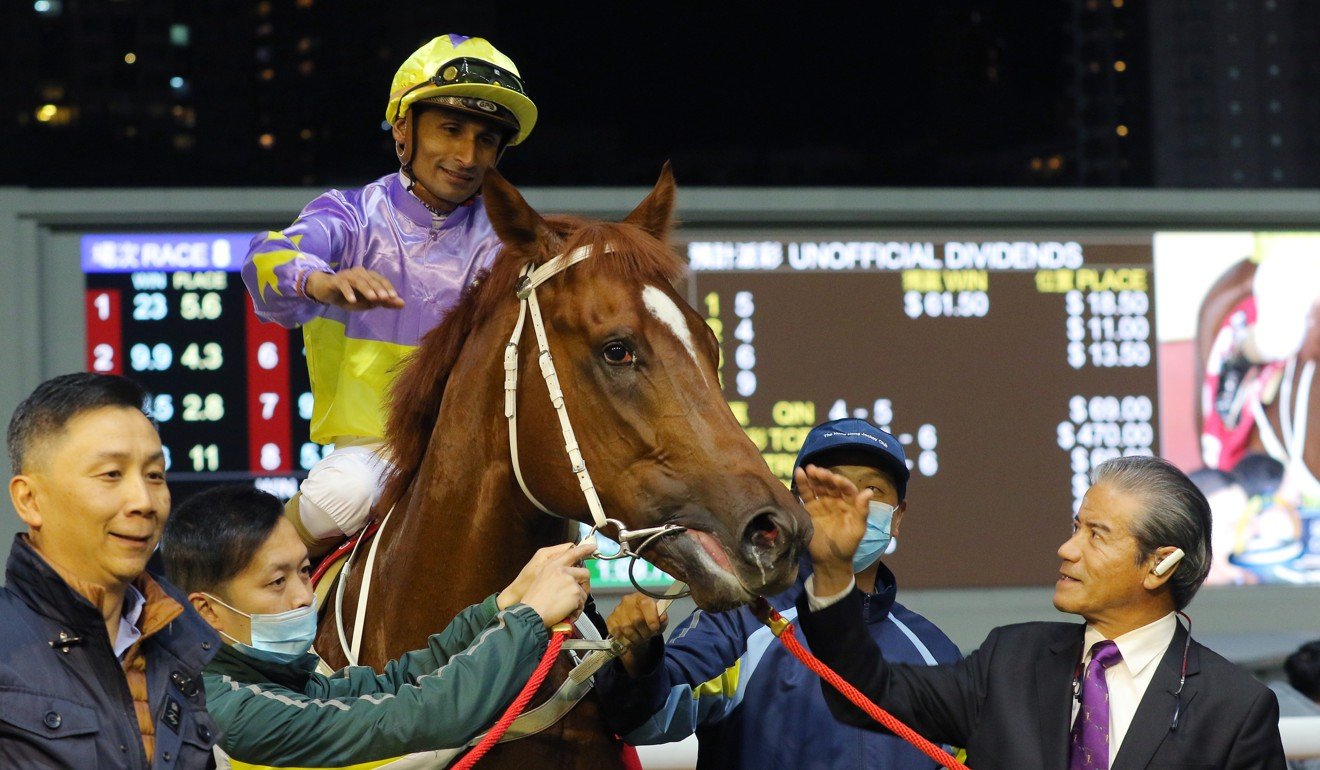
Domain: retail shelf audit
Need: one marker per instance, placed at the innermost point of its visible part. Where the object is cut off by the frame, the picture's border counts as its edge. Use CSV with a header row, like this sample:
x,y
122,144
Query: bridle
x,y
526,292
532,277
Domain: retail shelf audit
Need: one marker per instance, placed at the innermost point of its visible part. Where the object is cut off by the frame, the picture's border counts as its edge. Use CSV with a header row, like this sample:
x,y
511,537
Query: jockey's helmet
x,y
467,74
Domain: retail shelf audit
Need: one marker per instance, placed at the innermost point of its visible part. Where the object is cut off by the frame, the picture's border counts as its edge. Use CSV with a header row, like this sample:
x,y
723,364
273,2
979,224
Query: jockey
x,y
1285,291
246,572
367,272
1286,287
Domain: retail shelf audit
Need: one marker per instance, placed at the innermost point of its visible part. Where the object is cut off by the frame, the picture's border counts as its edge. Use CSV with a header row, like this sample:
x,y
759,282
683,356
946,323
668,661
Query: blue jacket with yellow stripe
x,y
752,705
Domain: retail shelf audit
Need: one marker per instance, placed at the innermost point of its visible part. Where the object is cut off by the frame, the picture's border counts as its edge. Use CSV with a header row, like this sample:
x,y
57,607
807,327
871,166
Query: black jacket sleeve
x,y
940,702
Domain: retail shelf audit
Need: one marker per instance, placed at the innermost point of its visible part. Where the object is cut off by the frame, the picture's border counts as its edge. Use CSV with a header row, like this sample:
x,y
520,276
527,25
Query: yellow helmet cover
x,y
466,73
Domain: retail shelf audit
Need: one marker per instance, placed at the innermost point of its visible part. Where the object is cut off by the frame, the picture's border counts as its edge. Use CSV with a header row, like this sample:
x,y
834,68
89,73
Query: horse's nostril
x,y
762,531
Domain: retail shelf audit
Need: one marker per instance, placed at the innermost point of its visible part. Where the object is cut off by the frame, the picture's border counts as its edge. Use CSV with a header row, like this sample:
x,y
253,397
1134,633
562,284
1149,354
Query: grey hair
x,y
1176,514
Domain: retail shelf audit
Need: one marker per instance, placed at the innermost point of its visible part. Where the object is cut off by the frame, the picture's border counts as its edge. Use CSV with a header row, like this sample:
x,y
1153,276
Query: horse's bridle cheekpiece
x,y
532,277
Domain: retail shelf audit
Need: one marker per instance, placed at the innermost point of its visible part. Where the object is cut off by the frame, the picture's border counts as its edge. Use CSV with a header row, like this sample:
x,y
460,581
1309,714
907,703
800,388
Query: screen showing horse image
x,y
1239,341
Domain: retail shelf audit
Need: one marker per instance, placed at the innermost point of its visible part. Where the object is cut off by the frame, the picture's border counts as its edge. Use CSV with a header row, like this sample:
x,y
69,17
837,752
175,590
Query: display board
x,y
231,394
1007,367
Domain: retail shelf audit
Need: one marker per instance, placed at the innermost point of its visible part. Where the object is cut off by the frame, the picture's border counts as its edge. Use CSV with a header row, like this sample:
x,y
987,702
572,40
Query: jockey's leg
x,y
336,497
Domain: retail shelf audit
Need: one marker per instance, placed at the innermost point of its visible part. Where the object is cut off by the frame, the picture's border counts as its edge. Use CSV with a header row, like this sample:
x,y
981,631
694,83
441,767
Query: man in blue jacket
x,y
723,675
100,663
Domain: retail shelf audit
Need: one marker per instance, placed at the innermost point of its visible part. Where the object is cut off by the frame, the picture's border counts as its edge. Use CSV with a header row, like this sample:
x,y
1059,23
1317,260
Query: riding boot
x,y
315,548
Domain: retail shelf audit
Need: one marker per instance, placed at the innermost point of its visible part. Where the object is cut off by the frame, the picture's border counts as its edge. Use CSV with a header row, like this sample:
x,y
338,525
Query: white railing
x,y
1301,737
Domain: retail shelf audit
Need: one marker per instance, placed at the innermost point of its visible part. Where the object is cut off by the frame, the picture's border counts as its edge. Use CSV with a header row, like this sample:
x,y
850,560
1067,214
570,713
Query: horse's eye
x,y
618,354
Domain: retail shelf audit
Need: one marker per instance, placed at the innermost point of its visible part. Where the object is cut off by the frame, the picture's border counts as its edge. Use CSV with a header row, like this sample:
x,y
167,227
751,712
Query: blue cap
x,y
861,435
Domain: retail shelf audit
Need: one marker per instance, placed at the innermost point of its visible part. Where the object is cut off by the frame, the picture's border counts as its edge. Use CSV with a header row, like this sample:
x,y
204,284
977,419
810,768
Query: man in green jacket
x,y
246,572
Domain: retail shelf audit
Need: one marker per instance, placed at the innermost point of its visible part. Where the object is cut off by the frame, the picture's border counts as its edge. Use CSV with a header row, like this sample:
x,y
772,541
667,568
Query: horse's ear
x,y
515,222
655,215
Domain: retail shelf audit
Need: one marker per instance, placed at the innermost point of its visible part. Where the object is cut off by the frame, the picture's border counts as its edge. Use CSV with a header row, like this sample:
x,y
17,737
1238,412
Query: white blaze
x,y
669,314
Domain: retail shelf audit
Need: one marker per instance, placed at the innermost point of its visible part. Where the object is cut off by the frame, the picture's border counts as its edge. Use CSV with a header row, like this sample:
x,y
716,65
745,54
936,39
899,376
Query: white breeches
x,y
339,491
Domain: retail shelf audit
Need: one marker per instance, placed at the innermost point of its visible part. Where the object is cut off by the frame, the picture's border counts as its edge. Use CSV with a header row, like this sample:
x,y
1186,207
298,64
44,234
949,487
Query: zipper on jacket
x,y
134,736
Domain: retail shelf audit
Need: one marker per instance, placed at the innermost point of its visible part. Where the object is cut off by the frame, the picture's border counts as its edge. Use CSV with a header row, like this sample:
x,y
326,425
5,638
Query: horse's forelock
x,y
634,254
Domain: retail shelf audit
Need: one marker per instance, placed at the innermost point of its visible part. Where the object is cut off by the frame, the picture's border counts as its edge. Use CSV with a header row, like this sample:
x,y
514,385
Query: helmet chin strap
x,y
405,165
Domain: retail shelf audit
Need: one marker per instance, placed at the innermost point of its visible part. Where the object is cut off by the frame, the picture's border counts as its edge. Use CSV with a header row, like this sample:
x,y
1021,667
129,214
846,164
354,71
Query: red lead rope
x,y
786,633
511,713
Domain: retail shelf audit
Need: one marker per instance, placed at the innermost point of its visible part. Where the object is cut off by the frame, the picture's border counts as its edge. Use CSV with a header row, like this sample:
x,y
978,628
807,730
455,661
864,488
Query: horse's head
x,y
639,371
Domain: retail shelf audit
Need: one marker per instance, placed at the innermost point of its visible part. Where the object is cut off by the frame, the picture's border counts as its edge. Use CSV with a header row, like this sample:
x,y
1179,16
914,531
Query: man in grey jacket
x,y
100,663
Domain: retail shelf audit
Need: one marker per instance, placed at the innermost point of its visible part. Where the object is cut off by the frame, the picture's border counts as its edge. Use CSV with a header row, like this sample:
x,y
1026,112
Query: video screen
x,y
1238,342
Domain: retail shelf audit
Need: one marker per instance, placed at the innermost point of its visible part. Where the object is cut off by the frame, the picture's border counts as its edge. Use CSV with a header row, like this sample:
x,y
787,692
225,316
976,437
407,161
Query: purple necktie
x,y
1090,733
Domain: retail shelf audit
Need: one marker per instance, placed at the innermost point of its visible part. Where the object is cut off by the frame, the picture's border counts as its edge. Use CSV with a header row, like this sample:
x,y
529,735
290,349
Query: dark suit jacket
x,y
1009,701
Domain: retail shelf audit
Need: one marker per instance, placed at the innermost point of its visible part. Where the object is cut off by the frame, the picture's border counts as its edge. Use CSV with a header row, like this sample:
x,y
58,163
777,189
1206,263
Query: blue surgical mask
x,y
282,637
876,540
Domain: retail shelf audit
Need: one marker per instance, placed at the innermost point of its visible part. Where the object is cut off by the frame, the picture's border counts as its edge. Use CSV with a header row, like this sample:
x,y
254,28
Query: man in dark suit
x,y
1127,690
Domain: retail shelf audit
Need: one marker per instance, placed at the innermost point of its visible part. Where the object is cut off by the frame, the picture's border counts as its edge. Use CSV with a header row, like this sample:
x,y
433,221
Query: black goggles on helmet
x,y
467,70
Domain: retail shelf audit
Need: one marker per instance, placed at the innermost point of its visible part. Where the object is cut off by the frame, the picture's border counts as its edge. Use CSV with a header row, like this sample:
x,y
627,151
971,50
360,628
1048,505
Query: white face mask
x,y
281,637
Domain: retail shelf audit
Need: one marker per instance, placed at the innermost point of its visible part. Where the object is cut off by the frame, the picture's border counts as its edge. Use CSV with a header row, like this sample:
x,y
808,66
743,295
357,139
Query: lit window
x,y
55,115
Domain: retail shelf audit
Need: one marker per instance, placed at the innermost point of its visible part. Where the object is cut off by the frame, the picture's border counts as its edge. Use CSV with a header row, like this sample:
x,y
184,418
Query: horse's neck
x,y
463,526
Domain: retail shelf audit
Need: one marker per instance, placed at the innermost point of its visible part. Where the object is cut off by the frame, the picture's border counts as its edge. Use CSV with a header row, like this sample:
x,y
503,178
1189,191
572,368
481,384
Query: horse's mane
x,y
416,394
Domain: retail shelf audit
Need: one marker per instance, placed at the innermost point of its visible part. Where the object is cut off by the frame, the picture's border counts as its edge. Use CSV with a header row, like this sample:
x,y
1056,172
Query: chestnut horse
x,y
1302,453
639,373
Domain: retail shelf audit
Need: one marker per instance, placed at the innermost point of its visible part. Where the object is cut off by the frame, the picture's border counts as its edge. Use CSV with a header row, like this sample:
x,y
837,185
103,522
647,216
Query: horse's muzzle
x,y
771,542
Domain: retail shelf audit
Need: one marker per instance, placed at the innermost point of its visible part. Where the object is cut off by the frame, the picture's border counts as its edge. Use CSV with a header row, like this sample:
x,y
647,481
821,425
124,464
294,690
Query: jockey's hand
x,y
635,622
838,520
559,590
353,288
514,593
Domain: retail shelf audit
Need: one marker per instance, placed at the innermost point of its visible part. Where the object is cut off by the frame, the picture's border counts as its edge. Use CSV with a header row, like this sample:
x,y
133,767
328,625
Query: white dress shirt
x,y
1128,679
817,603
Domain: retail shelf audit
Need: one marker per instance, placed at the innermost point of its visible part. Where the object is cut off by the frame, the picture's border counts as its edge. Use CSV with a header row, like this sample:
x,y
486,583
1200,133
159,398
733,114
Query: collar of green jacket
x,y
243,668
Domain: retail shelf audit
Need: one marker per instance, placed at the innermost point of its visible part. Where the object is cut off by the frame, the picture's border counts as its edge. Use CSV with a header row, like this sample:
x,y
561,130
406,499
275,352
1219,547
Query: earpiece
x,y
1168,562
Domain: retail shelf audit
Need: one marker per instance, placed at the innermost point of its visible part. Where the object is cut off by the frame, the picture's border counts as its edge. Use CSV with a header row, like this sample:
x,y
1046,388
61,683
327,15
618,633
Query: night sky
x,y
883,94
